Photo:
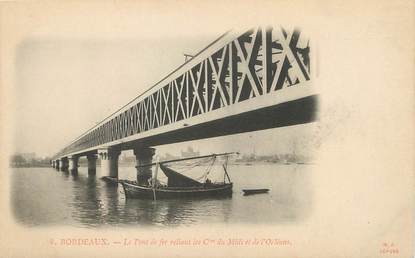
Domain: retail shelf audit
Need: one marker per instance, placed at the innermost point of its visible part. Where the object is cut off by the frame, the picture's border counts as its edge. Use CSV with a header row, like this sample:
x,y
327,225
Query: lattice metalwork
x,y
257,62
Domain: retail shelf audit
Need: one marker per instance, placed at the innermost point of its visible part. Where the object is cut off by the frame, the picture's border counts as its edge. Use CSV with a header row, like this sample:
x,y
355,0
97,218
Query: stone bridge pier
x,y
109,162
92,164
57,164
73,164
64,164
143,156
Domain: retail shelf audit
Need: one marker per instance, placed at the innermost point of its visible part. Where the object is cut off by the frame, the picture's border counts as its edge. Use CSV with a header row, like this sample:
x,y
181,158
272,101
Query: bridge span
x,y
243,81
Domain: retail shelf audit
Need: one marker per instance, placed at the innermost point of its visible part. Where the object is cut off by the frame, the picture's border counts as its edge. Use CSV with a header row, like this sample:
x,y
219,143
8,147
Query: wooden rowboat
x,y
112,181
179,185
255,191
133,190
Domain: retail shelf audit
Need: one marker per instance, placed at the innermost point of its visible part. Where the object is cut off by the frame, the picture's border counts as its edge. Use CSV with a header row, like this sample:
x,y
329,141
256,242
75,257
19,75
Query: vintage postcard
x,y
207,129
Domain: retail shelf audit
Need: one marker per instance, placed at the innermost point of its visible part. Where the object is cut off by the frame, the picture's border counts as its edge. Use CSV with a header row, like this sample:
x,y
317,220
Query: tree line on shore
x,y
19,160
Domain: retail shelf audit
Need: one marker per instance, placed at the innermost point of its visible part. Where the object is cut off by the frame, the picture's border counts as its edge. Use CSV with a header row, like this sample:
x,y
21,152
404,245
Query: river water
x,y
47,197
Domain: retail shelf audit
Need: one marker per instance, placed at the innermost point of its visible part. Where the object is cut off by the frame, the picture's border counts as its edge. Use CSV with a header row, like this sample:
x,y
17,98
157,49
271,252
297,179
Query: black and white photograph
x,y
207,129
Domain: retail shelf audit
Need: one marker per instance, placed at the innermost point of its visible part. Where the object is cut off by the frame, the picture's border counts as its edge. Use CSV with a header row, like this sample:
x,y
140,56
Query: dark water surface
x,y
45,197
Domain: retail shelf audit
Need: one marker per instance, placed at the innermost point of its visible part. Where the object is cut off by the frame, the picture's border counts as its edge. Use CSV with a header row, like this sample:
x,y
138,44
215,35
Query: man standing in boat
x,y
208,182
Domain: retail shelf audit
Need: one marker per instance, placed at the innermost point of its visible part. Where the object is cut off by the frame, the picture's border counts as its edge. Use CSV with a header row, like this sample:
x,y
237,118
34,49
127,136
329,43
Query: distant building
x,y
190,153
168,156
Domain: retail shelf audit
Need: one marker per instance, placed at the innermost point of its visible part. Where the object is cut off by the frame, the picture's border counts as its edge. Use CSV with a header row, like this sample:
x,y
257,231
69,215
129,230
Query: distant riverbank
x,y
29,165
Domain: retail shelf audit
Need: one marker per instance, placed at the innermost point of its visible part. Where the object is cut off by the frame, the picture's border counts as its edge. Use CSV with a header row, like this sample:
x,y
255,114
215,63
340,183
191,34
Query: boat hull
x,y
255,191
132,190
112,181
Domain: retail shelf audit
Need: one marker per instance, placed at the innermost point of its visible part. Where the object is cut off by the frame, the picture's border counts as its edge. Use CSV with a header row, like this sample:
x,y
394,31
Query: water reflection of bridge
x,y
93,203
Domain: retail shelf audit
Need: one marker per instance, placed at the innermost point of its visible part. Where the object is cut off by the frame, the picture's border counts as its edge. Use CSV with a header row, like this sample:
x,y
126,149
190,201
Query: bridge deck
x,y
253,80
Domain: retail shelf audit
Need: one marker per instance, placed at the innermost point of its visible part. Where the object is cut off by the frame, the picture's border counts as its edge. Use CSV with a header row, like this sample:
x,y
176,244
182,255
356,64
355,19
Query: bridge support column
x,y
143,156
53,163
64,164
73,164
57,164
109,162
92,164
